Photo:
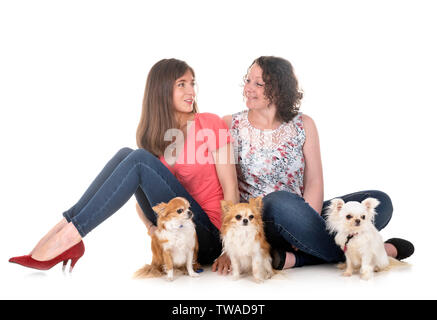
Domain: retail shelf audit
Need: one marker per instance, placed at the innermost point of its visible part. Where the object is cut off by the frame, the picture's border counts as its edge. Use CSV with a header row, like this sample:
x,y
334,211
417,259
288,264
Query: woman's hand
x,y
222,265
151,228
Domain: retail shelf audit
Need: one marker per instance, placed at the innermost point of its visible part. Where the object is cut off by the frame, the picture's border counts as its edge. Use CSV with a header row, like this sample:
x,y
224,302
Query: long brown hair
x,y
157,115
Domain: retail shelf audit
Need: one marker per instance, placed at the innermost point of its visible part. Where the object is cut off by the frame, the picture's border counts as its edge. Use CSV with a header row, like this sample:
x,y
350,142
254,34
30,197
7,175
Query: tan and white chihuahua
x,y
242,233
174,243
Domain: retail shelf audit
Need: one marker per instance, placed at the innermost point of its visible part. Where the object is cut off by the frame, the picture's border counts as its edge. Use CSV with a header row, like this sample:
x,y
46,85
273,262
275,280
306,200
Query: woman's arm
x,y
228,120
228,179
222,265
226,172
313,173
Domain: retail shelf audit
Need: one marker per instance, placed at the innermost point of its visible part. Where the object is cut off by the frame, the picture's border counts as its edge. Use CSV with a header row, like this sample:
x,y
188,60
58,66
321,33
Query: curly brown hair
x,y
281,86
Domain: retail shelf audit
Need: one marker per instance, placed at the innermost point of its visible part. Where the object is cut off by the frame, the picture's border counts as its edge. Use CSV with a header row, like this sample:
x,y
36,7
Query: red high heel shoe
x,y
73,254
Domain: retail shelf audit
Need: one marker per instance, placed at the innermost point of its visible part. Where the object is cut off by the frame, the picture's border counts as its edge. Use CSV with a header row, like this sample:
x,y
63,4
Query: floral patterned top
x,y
268,160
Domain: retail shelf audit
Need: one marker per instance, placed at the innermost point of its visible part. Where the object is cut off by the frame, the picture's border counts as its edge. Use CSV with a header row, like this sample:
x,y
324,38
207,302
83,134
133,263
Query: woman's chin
x,y
250,106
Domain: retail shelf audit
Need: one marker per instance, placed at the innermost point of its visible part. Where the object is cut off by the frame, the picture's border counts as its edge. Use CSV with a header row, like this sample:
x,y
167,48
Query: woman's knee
x,y
384,210
281,205
278,196
124,152
142,155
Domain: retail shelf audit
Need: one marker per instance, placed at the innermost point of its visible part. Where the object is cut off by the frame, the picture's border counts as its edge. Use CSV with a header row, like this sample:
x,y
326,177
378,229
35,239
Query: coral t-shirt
x,y
195,167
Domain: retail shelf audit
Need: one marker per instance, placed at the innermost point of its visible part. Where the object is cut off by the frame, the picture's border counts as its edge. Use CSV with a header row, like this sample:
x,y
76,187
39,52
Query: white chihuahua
x,y
357,236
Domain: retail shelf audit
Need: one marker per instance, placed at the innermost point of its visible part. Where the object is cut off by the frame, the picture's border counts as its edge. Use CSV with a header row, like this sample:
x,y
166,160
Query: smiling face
x,y
254,89
184,93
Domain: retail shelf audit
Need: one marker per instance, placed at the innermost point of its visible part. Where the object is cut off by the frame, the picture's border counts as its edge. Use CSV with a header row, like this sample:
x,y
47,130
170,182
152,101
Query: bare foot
x,y
59,242
391,250
49,234
290,260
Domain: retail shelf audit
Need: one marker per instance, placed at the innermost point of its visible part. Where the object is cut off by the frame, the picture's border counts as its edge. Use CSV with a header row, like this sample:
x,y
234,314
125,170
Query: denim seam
x,y
67,216
78,227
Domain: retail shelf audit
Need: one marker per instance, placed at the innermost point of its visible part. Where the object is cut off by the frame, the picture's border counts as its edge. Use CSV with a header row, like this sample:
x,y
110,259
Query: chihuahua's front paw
x,y
170,275
366,272
193,274
366,275
261,276
347,274
258,279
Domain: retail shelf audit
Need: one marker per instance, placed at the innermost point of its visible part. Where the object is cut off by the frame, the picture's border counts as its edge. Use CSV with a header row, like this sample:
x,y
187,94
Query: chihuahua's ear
x,y
256,203
333,220
336,205
370,204
226,205
160,208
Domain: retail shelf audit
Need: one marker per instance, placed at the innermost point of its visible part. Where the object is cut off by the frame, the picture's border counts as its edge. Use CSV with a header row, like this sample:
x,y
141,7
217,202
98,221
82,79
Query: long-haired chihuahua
x,y
243,239
357,236
174,243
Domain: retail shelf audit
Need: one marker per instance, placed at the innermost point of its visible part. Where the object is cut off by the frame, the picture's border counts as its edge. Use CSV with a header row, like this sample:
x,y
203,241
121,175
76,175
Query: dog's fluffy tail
x,y
395,263
392,262
148,271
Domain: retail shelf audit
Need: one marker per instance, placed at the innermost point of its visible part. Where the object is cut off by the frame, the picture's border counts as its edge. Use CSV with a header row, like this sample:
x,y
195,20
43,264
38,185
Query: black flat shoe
x,y
405,248
278,258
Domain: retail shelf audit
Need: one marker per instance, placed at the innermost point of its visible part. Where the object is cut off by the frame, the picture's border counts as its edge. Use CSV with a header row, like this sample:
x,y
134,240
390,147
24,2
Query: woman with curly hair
x,y
278,153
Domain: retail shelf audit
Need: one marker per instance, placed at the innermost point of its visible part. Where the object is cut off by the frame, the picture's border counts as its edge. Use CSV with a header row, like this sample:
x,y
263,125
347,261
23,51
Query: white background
x,y
72,78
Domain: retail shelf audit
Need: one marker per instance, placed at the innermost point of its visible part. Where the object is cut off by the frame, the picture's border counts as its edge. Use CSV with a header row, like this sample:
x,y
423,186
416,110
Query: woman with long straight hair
x,y
182,153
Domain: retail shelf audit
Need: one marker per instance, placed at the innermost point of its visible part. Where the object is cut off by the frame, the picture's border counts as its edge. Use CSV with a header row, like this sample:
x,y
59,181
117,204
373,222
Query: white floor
x,y
106,268
109,282
68,105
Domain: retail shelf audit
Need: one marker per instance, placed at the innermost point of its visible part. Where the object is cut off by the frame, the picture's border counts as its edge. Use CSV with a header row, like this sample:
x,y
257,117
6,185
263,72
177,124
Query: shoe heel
x,y
73,263
73,254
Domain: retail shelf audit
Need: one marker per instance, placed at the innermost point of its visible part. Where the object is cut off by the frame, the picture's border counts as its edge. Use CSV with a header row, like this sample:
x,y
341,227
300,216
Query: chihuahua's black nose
x,y
190,214
245,221
357,222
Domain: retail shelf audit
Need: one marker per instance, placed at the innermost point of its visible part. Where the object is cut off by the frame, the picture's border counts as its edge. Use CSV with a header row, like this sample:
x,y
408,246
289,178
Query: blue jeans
x,y
290,221
141,173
